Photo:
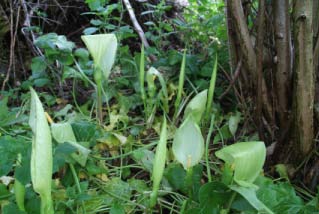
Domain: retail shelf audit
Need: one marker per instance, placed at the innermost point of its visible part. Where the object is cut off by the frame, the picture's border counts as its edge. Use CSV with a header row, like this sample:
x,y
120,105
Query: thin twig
x,y
12,45
232,82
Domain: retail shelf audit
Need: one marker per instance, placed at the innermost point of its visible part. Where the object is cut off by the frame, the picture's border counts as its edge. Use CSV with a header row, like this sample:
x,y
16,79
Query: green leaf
x,y
175,175
249,193
145,158
188,144
213,196
102,48
12,208
83,131
280,197
9,149
52,41
247,160
62,155
41,157
90,30
82,53
119,188
38,64
196,107
159,163
63,132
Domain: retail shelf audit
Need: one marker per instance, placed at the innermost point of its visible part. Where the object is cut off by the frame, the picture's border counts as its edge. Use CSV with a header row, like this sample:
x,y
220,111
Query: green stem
x,y
99,102
77,183
210,131
46,204
189,182
230,202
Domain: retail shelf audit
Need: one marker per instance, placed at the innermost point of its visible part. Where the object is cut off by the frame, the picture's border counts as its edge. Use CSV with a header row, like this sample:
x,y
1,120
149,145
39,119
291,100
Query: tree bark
x,y
304,78
249,55
283,66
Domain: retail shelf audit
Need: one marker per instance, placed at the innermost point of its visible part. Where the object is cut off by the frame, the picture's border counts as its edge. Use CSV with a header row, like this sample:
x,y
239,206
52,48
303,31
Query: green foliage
x,y
137,161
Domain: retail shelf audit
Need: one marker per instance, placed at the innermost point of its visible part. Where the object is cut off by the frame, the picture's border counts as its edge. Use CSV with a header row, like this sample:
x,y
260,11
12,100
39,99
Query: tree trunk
x,y
303,77
284,86
283,62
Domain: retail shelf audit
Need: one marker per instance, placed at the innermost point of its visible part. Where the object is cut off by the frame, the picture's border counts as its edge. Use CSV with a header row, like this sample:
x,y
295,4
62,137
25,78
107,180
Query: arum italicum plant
x,y
41,157
188,144
159,164
102,48
246,159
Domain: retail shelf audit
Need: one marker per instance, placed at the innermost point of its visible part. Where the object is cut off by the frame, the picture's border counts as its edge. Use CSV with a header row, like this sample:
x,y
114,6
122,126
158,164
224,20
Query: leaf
x,y
159,163
90,30
247,160
280,197
82,53
83,131
102,48
249,194
38,64
188,144
52,41
212,196
175,175
63,132
12,208
145,158
41,157
117,187
196,107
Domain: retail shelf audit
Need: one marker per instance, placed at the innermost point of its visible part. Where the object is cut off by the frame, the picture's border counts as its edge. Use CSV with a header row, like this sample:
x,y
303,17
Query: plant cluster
x,y
148,138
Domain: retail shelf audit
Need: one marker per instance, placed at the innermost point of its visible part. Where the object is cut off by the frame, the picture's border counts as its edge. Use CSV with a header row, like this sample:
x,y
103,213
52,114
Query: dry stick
x,y
233,80
137,26
12,45
259,63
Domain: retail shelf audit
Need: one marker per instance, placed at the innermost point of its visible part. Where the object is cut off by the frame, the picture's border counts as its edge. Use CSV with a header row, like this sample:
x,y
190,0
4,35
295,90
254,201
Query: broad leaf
x,y
102,48
247,160
188,144
63,132
213,196
41,157
249,194
196,106
279,197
